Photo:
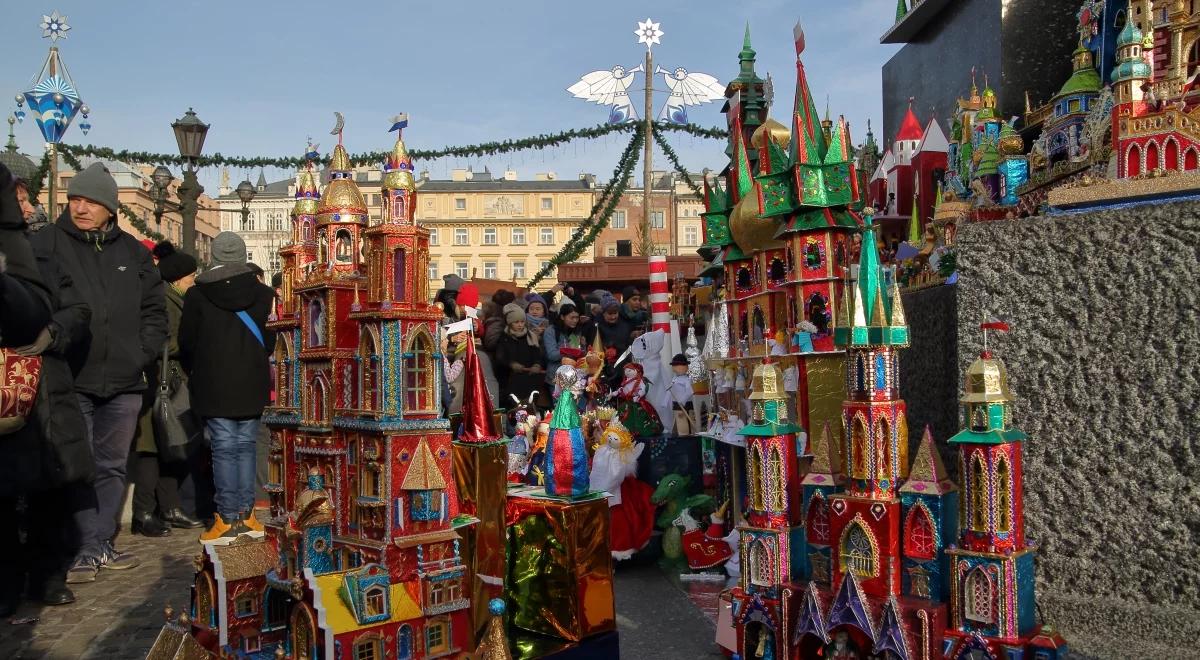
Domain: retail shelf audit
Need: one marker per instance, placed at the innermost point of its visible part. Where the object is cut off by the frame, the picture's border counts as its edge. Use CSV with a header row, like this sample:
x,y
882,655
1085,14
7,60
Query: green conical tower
x,y
901,10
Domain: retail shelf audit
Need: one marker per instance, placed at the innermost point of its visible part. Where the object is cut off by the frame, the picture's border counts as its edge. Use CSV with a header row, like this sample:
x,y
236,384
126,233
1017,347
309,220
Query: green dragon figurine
x,y
672,495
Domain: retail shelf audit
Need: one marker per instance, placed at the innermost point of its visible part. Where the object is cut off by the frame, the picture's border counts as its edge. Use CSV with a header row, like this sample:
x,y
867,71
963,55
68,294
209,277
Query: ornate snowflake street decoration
x,y
648,33
54,27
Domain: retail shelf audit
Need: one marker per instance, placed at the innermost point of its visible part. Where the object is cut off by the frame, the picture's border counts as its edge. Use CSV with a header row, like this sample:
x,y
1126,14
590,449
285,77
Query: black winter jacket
x,y
229,374
115,276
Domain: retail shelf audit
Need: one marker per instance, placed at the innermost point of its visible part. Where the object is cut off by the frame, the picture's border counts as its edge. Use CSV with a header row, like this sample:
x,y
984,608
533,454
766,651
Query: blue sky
x,y
268,74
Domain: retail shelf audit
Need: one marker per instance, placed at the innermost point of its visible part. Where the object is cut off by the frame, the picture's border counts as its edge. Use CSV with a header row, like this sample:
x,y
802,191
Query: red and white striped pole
x,y
660,308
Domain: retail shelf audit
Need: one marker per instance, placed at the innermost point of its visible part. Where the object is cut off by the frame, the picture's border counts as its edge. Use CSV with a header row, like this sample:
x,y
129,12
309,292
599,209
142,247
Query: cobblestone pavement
x,y
117,616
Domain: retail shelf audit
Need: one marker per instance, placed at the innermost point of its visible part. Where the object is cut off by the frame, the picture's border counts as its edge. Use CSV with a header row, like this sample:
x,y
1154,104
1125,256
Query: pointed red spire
x,y
477,423
910,128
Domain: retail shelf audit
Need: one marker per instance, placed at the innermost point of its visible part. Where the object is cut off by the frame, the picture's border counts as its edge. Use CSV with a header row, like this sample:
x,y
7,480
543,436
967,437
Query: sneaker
x,y
116,560
253,524
222,533
216,530
83,570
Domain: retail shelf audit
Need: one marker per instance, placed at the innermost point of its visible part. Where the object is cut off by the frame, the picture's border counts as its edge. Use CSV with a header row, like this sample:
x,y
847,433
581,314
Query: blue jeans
x,y
233,457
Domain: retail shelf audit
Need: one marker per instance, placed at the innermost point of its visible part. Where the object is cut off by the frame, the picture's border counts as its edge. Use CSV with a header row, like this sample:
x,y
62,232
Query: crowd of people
x,y
522,341
98,332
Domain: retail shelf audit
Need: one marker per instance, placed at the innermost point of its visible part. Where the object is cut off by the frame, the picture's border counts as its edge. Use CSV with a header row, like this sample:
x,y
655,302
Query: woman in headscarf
x,y
521,352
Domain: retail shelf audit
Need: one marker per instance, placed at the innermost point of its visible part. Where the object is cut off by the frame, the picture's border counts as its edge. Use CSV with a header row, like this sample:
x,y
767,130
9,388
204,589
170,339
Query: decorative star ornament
x,y
54,27
648,33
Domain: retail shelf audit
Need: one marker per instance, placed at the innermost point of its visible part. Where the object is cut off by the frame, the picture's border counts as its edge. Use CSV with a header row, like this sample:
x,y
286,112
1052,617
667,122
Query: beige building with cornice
x,y
501,227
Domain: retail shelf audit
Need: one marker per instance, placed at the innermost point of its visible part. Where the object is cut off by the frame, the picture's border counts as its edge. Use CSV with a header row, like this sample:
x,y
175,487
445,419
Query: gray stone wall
x,y
1104,359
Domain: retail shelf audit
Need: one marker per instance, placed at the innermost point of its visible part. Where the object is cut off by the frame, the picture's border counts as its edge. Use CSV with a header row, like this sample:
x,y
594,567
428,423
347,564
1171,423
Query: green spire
x,y
901,10
914,225
745,174
746,41
878,318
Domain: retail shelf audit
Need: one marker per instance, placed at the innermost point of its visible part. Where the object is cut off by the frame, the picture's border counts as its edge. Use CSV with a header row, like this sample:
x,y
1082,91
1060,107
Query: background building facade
x,y
499,228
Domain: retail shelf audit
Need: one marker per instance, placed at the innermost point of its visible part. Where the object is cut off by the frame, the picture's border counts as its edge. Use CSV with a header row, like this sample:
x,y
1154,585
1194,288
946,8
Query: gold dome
x,y
749,231
987,382
307,198
342,196
399,169
780,134
312,504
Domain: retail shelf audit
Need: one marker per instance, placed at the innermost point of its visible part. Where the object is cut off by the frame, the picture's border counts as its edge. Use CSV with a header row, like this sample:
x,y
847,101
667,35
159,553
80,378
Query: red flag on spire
x,y
994,323
477,423
798,35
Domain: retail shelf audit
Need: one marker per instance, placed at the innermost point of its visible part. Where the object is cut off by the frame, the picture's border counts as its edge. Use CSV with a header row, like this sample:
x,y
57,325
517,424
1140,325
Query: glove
x,y
38,346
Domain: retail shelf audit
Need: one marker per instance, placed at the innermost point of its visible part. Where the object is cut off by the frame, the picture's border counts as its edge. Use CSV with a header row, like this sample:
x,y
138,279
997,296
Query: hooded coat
x,y
229,372
115,276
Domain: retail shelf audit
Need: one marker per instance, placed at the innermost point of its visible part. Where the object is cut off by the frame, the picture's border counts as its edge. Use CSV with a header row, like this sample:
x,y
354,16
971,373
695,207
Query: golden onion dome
x,y
1011,143
987,381
398,169
342,200
307,197
312,504
780,134
749,231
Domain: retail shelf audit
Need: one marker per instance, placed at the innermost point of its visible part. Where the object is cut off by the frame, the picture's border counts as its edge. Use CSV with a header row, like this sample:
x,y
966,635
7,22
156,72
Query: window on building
x,y
656,220
426,504
977,594
1003,485
489,236
368,649
544,264
489,270
979,517
691,236
818,519
546,236
460,236
547,204
518,236
437,595
618,220
433,237
919,539
437,637
374,200
460,269
460,203
246,604
858,553
418,374
518,269
368,485
250,256
761,563
610,251
375,601
433,270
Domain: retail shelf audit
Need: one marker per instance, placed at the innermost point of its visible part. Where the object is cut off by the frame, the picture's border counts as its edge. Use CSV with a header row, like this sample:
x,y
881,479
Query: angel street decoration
x,y
687,89
610,87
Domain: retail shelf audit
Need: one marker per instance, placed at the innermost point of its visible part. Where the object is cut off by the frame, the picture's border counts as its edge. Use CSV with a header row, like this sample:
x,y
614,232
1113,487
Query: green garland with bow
x,y
586,233
493,148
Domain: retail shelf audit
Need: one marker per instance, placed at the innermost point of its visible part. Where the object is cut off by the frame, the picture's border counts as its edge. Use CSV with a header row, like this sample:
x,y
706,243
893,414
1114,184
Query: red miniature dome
x,y
910,128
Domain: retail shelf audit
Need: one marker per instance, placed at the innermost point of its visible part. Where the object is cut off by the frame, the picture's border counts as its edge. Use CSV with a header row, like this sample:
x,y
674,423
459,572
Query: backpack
x,y
18,388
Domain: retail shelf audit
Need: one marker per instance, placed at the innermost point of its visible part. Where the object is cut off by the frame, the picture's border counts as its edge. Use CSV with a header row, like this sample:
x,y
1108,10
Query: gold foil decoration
x,y
481,478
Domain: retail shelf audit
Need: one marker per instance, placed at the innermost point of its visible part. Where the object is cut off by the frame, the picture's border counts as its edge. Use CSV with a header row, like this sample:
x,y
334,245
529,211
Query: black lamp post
x,y
162,179
245,192
189,134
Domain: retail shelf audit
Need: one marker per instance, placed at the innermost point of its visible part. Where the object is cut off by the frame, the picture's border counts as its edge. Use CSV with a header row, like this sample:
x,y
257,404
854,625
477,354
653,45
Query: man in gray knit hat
x,y
116,276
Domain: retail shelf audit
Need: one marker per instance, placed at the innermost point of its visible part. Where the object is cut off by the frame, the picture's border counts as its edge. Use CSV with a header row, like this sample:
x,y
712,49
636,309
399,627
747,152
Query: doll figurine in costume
x,y
525,422
613,470
677,398
634,411
535,468
713,546
566,452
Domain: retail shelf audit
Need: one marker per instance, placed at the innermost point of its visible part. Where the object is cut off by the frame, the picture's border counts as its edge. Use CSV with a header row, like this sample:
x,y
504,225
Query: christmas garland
x,y
543,141
585,234
674,158
34,184
132,217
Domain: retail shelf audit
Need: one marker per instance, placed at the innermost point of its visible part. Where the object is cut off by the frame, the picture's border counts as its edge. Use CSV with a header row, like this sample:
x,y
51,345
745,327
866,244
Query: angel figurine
x,y
687,88
614,470
609,88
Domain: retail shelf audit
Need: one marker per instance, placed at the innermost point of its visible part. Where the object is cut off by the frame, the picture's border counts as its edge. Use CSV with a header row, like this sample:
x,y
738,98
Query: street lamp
x,y
189,134
162,179
245,192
